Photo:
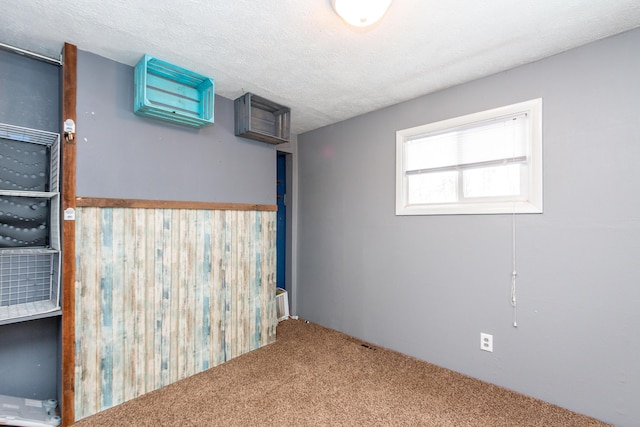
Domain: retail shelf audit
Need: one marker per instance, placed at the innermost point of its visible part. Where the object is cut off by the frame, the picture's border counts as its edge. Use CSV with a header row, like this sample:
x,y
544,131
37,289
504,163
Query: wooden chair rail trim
x,y
97,202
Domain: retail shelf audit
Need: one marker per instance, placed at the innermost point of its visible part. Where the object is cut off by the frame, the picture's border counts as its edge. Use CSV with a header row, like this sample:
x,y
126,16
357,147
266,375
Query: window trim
x,y
533,204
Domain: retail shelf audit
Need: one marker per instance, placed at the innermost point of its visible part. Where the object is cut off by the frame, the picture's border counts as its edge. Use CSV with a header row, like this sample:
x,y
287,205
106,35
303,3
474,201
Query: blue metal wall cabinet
x,y
167,92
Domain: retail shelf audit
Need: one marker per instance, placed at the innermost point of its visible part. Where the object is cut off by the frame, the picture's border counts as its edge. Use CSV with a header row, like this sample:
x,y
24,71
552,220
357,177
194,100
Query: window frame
x,y
477,206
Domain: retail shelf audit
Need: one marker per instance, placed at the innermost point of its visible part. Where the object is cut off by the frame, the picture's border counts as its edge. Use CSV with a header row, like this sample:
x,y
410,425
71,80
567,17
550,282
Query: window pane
x,y
432,152
497,140
497,181
500,141
438,187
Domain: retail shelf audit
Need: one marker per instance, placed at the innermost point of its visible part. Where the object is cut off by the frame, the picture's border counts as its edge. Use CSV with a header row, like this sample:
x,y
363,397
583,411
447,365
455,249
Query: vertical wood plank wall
x,y
162,294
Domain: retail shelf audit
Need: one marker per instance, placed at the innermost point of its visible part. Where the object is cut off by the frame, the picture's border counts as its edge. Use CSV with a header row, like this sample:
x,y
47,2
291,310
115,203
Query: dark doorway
x,y
281,225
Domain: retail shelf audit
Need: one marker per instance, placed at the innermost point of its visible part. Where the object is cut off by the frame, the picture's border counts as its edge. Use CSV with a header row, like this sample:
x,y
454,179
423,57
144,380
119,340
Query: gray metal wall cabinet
x,y
260,119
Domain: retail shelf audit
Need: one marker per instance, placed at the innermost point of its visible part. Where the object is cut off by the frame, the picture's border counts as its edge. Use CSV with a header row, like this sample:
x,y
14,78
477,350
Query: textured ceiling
x,y
300,54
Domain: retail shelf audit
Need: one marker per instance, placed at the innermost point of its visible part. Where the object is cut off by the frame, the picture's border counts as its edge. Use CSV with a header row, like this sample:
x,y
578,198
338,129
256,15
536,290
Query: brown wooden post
x,y
69,86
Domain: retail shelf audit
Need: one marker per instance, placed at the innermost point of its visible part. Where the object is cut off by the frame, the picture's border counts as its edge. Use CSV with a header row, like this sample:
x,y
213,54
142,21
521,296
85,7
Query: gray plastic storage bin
x,y
20,412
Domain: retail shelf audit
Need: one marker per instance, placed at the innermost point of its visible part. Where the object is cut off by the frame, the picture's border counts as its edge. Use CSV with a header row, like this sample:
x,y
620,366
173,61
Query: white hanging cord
x,y
513,272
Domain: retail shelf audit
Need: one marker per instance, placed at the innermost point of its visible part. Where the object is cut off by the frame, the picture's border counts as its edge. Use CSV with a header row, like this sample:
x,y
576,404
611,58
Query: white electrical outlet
x,y
486,342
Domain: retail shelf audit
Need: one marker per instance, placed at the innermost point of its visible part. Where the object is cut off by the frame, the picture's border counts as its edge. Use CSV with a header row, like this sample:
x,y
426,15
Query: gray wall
x,y
29,351
122,155
428,285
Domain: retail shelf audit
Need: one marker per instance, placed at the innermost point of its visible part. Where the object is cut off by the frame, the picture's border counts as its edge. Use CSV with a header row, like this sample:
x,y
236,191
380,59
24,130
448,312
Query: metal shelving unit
x,y
29,224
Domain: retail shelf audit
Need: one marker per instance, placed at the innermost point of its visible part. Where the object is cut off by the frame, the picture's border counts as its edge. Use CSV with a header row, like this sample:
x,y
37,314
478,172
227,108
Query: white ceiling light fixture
x,y
361,13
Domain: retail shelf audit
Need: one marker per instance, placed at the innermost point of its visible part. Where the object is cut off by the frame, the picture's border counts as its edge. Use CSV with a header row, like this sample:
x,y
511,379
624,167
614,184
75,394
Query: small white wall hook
x,y
69,130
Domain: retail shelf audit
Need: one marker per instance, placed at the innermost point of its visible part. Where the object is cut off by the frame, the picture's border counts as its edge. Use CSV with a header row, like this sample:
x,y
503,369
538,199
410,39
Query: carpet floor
x,y
313,376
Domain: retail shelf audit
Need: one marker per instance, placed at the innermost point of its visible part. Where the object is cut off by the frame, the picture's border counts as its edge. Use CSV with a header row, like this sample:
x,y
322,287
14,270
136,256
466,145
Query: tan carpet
x,y
313,376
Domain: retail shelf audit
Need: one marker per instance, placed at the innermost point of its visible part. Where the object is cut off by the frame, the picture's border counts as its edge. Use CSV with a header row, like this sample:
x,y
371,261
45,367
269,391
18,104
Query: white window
x,y
482,163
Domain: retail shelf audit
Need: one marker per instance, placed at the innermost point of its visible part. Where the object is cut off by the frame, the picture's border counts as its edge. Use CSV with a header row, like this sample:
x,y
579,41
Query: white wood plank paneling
x,y
162,294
